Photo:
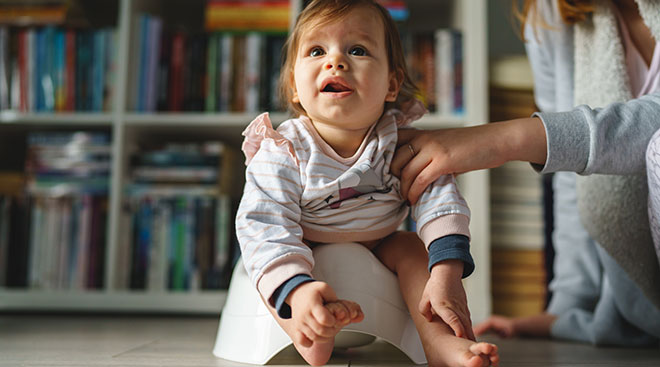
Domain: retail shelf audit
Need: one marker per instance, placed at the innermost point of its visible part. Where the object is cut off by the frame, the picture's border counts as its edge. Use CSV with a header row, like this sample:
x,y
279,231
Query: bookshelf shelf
x,y
202,302
56,119
199,119
129,128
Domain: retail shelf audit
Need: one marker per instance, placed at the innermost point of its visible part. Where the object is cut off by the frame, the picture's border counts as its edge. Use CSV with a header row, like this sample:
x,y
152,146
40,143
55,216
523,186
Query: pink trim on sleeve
x,y
260,129
444,226
280,271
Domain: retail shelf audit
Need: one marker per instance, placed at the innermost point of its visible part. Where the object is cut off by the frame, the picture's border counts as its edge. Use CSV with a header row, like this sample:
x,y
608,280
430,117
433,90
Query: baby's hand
x,y
314,322
345,312
444,296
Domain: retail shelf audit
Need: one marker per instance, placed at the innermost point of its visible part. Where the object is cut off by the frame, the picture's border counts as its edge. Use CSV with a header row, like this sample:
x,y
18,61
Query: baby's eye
x,y
316,51
358,51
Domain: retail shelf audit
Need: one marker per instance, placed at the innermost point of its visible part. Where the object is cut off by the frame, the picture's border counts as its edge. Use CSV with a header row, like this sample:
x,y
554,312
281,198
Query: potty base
x,y
249,334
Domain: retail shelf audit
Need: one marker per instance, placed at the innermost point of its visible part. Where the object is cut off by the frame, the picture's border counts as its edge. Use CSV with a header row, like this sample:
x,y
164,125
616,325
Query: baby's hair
x,y
321,12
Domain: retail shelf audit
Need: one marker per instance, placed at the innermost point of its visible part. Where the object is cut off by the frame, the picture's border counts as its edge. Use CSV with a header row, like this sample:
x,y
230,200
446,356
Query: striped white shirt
x,y
297,187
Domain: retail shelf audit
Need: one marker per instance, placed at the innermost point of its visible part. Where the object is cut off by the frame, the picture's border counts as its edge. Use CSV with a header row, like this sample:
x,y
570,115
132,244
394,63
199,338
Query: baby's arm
x,y
443,218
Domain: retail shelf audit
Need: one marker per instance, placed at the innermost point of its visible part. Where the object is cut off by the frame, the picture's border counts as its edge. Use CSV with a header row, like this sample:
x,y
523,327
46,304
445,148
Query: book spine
x,y
226,74
98,70
211,73
153,53
176,73
59,70
253,56
70,78
31,69
5,68
458,73
164,62
444,72
110,69
143,63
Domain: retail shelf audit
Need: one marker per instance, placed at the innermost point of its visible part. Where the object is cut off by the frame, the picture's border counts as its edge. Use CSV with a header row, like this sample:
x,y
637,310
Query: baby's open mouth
x,y
336,88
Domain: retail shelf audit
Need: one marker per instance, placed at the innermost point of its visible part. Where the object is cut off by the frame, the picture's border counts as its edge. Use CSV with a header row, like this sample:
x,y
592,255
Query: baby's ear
x,y
394,85
294,92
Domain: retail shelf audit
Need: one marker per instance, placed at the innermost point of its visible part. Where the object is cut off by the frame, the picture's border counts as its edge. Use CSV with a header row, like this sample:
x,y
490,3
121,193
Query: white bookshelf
x,y
467,15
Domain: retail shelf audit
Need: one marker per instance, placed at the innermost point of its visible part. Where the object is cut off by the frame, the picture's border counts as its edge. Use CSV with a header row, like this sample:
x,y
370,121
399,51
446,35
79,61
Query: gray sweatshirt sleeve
x,y
609,140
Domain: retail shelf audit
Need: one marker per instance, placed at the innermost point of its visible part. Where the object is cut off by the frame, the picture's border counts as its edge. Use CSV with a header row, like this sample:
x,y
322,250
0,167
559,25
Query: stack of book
x,y
435,61
178,218
248,15
33,12
55,69
517,217
517,238
68,176
518,282
215,72
14,228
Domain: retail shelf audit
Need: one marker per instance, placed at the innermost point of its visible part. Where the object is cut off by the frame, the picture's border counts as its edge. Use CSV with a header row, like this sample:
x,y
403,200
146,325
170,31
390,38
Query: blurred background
x,y
120,125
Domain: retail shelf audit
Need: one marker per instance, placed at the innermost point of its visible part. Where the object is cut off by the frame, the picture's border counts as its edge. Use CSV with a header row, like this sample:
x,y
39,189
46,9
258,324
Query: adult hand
x,y
503,326
445,297
508,327
425,155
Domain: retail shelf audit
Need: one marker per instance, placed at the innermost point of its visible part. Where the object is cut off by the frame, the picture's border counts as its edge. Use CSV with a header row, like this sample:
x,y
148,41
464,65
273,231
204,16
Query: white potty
x,y
249,334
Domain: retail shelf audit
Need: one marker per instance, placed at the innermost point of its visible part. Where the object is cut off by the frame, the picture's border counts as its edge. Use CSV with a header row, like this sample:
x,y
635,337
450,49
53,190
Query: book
x,y
254,57
176,81
261,15
152,62
5,69
5,206
212,73
448,56
226,72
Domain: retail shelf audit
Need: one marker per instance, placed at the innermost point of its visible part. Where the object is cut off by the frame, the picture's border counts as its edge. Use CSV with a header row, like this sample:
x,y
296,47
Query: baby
x,y
324,177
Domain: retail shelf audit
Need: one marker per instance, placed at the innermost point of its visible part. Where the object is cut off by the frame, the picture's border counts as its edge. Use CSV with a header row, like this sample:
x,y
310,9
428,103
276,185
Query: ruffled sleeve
x,y
259,130
410,111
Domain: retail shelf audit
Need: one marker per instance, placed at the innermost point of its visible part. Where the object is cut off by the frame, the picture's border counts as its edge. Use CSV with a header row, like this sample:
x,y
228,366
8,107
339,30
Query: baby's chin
x,y
342,117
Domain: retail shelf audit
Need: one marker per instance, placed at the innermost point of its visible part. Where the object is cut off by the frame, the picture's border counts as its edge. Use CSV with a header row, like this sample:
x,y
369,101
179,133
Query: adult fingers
x,y
484,327
403,154
416,177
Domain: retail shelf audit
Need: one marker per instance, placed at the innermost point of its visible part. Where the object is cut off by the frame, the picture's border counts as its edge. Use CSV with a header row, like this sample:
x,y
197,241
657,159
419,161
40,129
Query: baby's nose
x,y
335,63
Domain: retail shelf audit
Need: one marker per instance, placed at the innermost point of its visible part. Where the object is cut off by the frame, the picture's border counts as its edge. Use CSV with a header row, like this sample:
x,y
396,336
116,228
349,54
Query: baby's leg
x,y
405,255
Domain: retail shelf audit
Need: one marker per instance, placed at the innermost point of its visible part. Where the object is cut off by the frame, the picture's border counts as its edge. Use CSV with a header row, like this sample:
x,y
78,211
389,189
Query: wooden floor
x,y
66,340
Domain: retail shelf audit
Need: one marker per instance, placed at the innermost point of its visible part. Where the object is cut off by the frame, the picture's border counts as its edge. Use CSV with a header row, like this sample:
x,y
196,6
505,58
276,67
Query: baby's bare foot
x,y
345,312
459,352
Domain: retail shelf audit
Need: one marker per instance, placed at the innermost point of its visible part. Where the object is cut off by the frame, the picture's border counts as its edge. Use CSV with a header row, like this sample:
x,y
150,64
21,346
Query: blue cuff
x,y
452,247
282,292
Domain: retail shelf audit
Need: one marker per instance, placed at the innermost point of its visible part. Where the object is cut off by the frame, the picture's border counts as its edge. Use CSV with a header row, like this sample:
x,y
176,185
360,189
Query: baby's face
x,y
341,73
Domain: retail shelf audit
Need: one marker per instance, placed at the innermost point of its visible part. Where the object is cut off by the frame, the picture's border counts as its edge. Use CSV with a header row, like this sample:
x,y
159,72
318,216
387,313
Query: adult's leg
x,y
653,174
